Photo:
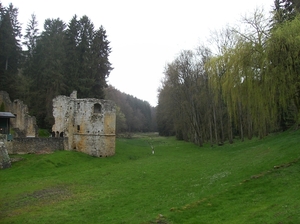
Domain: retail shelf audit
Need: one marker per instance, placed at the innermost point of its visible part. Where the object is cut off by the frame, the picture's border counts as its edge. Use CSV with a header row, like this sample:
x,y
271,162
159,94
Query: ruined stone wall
x,y
24,124
4,157
89,124
63,112
35,145
95,127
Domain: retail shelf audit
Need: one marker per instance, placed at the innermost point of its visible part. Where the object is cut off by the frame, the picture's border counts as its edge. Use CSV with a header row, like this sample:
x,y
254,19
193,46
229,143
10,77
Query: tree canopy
x,y
133,114
244,83
247,84
59,59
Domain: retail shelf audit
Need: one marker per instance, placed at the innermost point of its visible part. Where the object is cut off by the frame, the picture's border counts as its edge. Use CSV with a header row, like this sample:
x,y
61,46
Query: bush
x,y
43,133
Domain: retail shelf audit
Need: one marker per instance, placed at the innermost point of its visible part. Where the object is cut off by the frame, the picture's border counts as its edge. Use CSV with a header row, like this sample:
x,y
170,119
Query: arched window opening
x,y
97,108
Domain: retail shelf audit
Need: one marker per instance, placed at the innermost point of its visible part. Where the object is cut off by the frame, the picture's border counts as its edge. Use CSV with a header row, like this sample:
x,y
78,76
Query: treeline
x,y
245,83
133,114
61,58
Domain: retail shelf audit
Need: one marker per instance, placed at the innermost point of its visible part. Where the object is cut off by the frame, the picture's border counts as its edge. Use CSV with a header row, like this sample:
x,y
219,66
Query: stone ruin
x,y
88,125
84,125
5,161
23,125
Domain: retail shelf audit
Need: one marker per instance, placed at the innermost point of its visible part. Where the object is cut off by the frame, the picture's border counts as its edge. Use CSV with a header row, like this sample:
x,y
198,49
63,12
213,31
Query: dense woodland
x,y
133,114
39,65
244,83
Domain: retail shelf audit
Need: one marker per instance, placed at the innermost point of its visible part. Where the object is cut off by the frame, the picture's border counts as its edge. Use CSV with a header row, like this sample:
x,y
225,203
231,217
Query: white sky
x,y
144,35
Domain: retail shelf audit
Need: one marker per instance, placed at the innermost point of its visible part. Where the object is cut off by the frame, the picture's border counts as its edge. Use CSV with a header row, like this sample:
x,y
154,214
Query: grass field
x,y
255,181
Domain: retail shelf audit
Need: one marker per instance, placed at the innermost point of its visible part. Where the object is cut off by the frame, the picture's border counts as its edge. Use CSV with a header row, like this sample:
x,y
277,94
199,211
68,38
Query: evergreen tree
x,y
10,49
31,36
102,67
72,66
285,10
87,64
47,70
85,59
28,69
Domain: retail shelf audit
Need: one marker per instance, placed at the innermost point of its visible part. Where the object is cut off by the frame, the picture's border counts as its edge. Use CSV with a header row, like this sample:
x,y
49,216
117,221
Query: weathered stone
x,y
35,145
85,125
24,124
89,124
4,157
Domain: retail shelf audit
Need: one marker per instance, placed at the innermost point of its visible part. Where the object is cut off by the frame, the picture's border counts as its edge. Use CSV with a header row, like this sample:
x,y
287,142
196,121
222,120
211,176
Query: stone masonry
x,y
88,125
4,157
24,124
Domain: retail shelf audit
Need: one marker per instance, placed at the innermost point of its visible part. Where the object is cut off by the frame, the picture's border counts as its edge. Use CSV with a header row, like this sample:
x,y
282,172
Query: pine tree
x,y
85,61
10,49
72,66
31,36
47,70
285,10
102,67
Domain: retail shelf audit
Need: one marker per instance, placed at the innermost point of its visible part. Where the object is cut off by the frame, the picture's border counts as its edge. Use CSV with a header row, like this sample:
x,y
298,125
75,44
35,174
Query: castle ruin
x,y
87,125
23,124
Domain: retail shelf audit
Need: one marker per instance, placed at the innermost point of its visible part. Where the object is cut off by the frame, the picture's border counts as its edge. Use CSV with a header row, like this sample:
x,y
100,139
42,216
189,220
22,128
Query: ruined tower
x,y
88,125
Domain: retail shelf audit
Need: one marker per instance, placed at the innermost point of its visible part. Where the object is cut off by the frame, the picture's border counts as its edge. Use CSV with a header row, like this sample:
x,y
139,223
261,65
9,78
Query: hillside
x,y
251,182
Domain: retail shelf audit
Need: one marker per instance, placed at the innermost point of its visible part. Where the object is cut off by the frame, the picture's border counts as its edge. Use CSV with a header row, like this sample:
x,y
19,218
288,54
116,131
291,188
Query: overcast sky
x,y
144,35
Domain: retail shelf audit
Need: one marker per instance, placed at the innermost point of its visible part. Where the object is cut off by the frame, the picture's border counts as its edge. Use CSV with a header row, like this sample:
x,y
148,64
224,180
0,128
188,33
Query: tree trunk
x,y
230,137
215,125
222,127
241,122
250,134
6,64
210,133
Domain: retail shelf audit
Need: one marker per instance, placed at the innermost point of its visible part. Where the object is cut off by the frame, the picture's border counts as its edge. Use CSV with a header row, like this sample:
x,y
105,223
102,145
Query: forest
x,y
245,83
133,114
37,66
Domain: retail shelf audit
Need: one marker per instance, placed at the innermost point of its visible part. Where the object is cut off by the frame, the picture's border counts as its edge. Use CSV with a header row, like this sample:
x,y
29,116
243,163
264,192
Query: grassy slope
x,y
184,183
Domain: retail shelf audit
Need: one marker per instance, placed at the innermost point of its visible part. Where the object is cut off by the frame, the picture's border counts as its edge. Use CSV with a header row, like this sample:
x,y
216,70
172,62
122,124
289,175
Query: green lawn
x,y
251,182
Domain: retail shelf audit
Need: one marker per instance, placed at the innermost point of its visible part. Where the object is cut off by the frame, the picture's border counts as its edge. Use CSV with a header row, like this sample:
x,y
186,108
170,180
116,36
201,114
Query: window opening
x,y
97,108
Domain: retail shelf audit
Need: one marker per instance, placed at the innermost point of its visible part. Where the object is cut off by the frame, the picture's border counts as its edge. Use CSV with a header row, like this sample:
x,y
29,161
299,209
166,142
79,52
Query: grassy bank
x,y
252,182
